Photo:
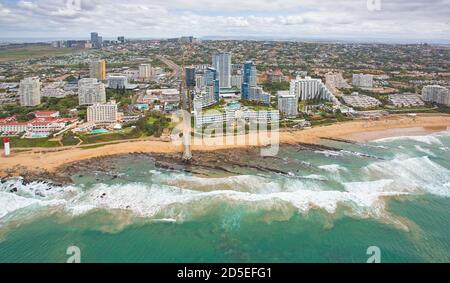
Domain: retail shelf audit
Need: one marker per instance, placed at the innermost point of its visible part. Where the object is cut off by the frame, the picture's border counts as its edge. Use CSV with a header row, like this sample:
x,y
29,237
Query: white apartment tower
x,y
30,92
145,71
91,91
103,113
288,104
221,61
309,89
437,94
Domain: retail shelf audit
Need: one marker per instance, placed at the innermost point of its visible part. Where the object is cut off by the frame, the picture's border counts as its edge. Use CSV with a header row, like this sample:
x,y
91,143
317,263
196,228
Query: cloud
x,y
166,18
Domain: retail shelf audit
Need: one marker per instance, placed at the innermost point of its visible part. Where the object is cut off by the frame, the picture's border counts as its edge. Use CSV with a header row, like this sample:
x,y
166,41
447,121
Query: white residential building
x,y
287,104
257,94
309,89
90,91
437,94
30,92
266,117
203,100
145,71
221,61
362,80
103,113
236,81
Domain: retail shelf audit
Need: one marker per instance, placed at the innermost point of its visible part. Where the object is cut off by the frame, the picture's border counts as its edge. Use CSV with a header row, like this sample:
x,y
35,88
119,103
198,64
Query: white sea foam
x,y
429,139
178,196
424,150
333,168
415,174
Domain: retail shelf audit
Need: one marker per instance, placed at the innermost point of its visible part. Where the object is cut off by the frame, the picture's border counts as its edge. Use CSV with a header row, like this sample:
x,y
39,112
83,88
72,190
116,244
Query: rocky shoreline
x,y
205,163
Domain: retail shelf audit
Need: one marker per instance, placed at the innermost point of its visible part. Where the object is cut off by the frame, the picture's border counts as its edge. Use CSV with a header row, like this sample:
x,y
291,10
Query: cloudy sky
x,y
394,19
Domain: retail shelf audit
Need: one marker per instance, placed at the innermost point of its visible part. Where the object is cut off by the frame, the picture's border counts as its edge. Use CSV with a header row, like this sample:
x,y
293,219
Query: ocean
x,y
329,206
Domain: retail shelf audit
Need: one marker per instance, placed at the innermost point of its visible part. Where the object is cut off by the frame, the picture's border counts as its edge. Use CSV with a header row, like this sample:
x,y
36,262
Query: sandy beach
x,y
358,130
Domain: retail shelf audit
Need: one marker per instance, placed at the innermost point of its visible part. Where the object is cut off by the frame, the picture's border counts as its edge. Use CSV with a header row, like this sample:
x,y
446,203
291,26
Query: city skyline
x,y
345,20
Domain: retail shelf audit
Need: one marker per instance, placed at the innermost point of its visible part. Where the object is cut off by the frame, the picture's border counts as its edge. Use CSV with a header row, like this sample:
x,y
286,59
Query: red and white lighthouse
x,y
7,146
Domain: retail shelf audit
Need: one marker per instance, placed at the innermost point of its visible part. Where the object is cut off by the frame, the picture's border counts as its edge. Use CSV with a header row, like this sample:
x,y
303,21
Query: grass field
x,y
24,143
31,52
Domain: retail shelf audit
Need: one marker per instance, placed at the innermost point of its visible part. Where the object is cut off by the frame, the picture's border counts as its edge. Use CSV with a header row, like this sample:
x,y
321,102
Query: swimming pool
x,y
99,131
234,106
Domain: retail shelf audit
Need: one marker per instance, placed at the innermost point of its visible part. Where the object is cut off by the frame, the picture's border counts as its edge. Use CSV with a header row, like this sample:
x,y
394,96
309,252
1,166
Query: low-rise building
x,y
406,100
360,101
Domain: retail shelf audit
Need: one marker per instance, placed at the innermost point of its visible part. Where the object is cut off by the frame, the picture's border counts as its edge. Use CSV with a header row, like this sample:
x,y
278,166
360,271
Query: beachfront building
x,y
221,61
117,81
308,88
360,101
287,104
30,92
97,70
10,126
261,117
436,94
90,91
106,113
43,127
362,80
405,100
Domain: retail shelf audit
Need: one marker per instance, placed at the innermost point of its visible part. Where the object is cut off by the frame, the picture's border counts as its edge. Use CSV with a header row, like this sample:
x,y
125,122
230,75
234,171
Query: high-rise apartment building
x,y
91,91
437,94
309,89
190,77
145,71
248,79
97,70
221,61
30,92
212,82
287,104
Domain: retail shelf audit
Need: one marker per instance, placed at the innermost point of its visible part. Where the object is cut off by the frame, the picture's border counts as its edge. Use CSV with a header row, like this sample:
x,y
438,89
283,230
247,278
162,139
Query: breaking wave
x,y
177,196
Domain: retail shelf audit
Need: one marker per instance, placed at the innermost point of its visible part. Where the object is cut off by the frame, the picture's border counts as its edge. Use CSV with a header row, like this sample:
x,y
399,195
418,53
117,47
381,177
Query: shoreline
x,y
49,161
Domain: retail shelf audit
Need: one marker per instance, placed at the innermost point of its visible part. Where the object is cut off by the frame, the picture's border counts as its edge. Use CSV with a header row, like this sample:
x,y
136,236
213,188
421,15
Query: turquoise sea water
x,y
331,207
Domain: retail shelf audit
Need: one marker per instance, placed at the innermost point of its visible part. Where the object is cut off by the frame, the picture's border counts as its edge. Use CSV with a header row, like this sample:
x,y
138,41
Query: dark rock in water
x,y
102,196
13,190
115,177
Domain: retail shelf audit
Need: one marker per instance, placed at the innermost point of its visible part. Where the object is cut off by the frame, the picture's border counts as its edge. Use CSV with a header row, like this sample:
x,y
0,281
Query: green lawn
x,y
41,142
107,137
32,51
